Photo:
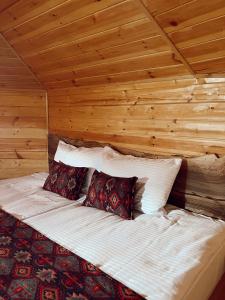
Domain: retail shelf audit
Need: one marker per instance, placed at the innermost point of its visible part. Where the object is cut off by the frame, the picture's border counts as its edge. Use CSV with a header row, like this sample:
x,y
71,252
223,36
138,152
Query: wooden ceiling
x,y
82,42
14,74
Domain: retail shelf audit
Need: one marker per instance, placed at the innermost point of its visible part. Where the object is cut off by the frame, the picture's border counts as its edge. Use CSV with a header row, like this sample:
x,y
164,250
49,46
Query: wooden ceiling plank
x,y
116,36
108,55
158,7
191,13
4,70
13,72
200,33
131,64
109,18
215,65
6,52
108,47
24,10
65,13
6,4
205,51
165,36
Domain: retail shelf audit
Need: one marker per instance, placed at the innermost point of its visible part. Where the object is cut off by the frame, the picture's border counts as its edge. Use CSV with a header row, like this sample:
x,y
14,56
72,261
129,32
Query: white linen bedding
x,y
159,256
24,197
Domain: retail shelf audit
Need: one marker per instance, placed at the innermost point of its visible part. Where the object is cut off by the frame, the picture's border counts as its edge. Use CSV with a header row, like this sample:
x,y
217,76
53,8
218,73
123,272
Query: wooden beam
x,y
145,9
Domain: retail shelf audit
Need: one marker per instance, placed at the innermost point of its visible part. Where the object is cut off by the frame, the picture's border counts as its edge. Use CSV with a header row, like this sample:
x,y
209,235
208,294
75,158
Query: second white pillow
x,y
155,178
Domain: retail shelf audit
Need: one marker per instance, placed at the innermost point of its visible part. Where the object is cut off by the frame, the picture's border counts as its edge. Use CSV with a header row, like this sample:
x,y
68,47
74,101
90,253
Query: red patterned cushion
x,y
112,194
65,180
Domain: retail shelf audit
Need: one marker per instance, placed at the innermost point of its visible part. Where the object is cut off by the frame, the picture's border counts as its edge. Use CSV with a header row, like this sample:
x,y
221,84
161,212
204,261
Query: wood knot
x,y
174,23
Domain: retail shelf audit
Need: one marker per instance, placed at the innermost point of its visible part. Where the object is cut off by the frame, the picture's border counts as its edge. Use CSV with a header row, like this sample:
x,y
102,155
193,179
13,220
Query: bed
x,y
24,197
171,254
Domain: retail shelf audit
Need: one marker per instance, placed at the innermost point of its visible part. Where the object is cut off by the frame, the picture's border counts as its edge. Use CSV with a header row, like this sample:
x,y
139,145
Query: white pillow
x,y
155,178
91,158
79,157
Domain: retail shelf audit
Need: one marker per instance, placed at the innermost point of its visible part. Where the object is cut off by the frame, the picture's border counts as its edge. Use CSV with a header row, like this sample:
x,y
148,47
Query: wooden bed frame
x,y
199,186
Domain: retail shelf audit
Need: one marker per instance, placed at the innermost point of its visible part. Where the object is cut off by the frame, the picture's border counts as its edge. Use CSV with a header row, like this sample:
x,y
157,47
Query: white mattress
x,y
163,256
158,256
24,197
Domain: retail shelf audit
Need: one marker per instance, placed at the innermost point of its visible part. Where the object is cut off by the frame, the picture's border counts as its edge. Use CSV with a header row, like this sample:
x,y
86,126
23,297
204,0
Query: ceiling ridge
x,y
165,36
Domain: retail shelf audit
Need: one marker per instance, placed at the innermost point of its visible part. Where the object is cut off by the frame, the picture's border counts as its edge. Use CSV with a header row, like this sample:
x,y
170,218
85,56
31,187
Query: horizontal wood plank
x,y
177,117
127,65
174,71
199,186
59,38
23,132
191,13
147,46
113,37
107,19
58,16
6,4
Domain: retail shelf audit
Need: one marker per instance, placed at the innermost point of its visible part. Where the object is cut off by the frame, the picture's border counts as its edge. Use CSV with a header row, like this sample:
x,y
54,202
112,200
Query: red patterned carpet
x,y
34,267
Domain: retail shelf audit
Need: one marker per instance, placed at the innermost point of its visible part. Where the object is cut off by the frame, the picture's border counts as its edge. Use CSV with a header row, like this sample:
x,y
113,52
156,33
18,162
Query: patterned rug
x,y
34,267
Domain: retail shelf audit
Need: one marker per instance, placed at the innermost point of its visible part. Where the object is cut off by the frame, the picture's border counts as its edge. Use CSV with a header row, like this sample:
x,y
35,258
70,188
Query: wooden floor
x,y
219,293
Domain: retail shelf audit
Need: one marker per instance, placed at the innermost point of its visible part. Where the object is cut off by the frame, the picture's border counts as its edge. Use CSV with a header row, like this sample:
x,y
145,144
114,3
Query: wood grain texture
x,y
199,186
176,51
179,117
14,74
23,132
81,43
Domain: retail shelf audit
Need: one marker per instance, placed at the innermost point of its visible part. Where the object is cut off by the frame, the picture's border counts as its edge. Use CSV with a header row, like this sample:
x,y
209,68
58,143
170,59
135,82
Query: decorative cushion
x,y
155,178
82,157
65,180
112,194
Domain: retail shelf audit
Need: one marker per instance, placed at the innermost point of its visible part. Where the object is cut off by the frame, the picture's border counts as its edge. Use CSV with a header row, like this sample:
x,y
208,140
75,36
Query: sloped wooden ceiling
x,y
82,42
14,74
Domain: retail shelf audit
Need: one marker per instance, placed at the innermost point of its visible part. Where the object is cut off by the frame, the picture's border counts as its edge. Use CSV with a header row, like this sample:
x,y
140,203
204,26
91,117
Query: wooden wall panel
x,y
199,185
178,117
23,132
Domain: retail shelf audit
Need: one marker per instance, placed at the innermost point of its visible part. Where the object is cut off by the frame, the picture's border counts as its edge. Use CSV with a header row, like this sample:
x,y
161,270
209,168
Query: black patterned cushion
x,y
112,194
65,180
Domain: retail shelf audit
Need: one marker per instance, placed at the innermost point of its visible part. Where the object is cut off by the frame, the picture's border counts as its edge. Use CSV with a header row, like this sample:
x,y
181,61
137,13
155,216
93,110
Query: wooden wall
x,y
98,52
185,116
23,117
23,132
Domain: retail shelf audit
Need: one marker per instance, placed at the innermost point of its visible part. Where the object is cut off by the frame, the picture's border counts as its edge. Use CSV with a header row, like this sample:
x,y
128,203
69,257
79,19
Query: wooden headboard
x,y
199,186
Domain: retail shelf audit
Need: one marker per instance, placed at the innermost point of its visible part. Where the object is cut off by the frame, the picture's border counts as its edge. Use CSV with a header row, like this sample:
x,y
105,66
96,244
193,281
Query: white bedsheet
x,y
24,197
158,256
